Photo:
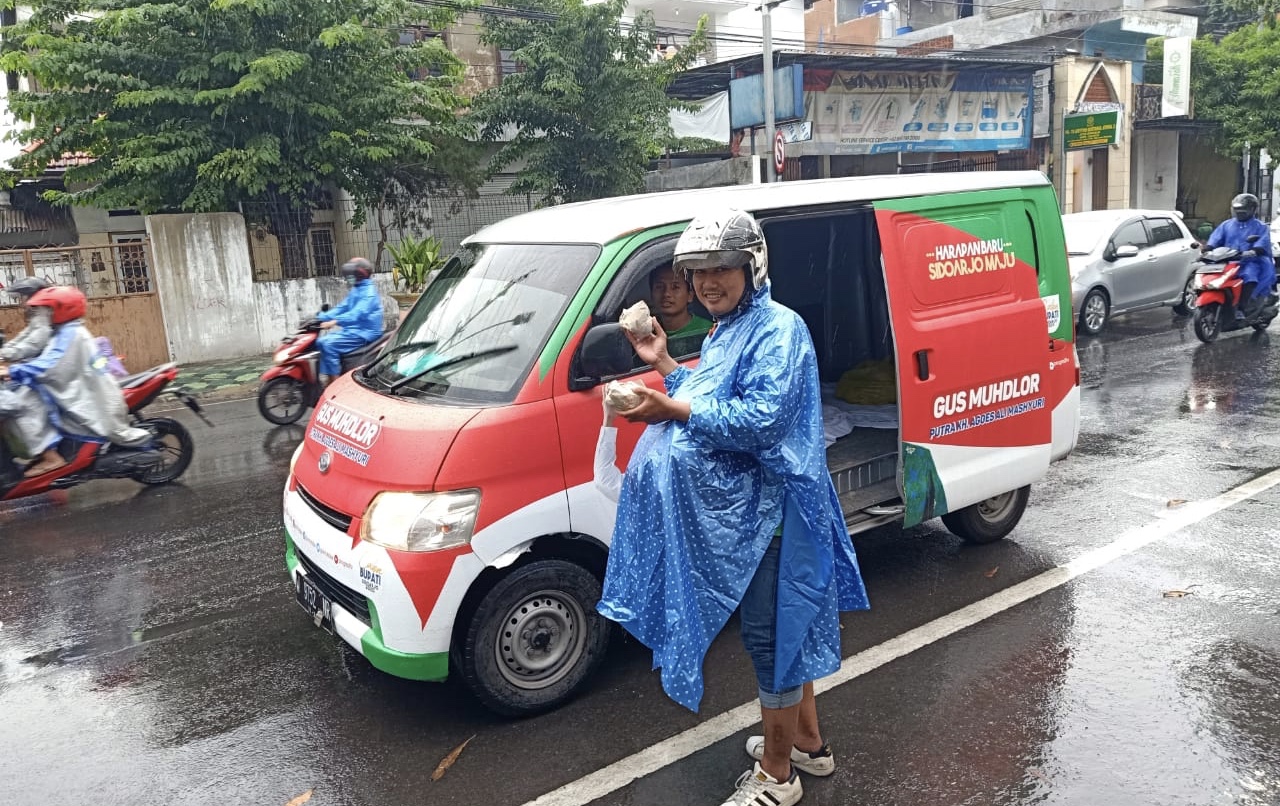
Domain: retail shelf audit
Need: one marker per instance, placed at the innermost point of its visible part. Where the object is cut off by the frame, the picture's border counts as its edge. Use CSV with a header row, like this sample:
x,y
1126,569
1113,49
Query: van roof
x,y
604,220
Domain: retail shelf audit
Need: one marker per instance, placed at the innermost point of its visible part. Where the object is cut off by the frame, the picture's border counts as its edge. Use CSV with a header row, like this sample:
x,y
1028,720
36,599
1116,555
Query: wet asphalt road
x,y
151,651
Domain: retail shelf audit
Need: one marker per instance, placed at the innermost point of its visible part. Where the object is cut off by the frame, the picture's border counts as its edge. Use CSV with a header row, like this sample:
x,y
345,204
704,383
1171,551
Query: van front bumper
x,y
366,638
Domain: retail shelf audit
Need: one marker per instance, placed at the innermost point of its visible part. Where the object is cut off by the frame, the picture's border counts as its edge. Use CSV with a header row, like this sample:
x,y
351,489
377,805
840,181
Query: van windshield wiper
x,y
397,350
457,359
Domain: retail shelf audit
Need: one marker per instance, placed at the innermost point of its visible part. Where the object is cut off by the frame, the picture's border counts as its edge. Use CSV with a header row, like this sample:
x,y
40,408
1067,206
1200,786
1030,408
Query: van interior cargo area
x,y
827,268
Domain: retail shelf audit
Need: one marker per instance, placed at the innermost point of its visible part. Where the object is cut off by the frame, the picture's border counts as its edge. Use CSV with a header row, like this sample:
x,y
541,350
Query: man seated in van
x,y
671,296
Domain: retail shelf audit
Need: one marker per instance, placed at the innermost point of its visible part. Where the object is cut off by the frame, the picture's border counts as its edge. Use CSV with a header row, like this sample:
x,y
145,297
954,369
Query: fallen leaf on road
x,y
1176,502
301,799
448,760
1176,594
992,572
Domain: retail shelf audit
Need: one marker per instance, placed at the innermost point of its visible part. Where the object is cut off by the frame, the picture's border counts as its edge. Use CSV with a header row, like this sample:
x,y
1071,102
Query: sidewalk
x,y
230,379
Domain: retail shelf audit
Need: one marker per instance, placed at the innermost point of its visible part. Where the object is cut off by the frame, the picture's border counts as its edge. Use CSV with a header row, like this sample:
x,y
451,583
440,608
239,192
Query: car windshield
x,y
478,327
1084,234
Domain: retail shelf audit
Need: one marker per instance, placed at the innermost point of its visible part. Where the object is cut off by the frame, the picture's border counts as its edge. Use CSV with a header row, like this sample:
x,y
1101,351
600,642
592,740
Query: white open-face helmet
x,y
723,238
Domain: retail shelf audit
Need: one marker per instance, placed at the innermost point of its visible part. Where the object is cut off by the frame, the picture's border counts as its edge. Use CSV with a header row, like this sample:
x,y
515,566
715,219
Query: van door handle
x,y
922,364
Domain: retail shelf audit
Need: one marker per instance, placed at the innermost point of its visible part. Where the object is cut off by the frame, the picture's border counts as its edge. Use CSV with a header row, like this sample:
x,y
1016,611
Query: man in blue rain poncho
x,y
359,319
1257,264
727,501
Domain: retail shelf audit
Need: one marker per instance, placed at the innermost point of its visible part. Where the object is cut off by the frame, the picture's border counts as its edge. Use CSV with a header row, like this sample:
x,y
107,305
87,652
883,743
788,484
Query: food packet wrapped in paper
x,y
622,396
637,320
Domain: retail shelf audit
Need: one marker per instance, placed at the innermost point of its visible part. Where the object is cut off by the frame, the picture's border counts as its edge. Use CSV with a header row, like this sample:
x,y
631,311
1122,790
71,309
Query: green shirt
x,y
688,339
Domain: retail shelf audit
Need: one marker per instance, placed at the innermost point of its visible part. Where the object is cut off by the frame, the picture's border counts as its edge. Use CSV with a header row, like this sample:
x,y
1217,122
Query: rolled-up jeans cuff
x,y
782,699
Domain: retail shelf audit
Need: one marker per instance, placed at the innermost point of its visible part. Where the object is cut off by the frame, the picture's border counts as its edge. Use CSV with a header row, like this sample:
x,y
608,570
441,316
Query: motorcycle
x,y
1218,288
163,461
292,384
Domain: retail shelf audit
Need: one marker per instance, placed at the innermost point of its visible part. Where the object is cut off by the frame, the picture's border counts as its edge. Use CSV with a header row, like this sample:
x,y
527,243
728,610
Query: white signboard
x,y
1177,77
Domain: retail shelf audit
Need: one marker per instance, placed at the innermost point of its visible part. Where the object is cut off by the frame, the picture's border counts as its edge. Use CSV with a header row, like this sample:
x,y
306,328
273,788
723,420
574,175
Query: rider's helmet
x,y
64,302
724,238
1244,206
27,286
356,269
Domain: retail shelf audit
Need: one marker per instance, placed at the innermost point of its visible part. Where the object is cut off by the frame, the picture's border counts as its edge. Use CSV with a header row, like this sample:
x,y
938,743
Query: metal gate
x,y
123,303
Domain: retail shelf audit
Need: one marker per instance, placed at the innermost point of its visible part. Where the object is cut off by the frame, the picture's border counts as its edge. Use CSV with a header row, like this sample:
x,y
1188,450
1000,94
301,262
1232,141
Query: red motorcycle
x,y
164,460
1218,288
292,384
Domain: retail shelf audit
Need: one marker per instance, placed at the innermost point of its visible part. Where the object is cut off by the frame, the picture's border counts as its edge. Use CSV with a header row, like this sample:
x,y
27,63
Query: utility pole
x,y
767,29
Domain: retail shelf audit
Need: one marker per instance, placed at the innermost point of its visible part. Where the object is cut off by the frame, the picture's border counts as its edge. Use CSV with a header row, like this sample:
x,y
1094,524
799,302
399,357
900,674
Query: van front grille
x,y
331,516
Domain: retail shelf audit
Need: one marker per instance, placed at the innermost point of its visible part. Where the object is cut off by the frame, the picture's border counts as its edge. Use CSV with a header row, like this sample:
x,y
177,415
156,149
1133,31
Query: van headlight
x,y
421,521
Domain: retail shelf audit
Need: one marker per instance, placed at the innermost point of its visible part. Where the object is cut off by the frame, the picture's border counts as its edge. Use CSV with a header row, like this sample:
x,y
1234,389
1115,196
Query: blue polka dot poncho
x,y
701,501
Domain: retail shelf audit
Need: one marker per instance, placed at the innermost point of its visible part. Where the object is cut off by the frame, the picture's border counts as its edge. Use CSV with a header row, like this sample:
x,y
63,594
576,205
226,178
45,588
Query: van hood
x,y
359,443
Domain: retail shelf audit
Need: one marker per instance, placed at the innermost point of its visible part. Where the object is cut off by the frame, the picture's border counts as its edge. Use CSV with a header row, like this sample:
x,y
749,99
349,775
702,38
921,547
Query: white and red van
x,y
440,514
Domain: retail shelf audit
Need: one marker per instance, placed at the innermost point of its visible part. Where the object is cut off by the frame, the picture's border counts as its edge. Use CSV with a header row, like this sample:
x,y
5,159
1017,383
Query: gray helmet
x,y
27,286
358,269
1244,206
724,238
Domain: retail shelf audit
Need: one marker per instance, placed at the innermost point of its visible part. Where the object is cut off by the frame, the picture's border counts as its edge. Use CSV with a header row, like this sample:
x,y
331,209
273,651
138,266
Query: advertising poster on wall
x,y
876,112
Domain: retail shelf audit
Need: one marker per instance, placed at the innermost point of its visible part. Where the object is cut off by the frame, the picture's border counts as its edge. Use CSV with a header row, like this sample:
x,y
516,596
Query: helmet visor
x,y
703,261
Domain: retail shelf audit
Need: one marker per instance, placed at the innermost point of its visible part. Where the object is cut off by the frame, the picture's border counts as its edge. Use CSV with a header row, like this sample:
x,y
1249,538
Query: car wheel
x,y
990,520
1187,303
1206,322
534,638
1094,311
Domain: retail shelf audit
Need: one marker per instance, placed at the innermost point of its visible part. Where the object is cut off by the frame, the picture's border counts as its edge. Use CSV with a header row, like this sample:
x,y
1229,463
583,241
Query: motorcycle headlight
x,y
282,355
421,521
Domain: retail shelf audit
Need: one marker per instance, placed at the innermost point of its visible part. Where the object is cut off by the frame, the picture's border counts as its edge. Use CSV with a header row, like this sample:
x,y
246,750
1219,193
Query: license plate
x,y
317,605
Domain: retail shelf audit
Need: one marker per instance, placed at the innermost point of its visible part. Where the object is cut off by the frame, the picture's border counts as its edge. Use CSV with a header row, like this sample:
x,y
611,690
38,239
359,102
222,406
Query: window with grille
x,y
324,260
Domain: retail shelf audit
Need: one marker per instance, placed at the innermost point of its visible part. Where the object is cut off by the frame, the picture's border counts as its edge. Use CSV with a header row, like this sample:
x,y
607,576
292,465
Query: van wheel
x,y
534,638
1094,311
990,520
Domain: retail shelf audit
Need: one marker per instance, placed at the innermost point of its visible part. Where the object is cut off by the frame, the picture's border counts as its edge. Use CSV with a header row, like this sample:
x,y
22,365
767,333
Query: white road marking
x,y
622,772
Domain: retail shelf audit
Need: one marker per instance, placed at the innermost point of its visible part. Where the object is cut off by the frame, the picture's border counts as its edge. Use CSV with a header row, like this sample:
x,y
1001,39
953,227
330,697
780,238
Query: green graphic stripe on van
x,y
611,256
432,666
1010,210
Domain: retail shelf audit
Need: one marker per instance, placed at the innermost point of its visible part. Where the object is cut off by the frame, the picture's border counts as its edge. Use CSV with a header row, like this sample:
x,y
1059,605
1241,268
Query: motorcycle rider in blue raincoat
x,y
727,504
359,318
1257,263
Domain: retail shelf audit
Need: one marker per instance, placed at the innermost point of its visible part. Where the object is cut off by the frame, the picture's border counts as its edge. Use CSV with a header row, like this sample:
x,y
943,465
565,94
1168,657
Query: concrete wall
x,y
213,309
1155,170
820,25
1073,172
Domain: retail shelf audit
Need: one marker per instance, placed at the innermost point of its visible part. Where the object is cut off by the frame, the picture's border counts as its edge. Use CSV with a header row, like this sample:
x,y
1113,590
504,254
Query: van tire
x,y
549,608
1094,312
990,520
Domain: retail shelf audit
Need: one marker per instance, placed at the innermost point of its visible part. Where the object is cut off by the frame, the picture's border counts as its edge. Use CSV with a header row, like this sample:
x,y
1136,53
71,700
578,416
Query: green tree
x,y
588,106
197,105
1236,82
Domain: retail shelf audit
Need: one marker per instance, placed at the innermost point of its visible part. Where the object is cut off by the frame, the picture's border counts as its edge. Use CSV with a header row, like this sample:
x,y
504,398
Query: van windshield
x,y
479,326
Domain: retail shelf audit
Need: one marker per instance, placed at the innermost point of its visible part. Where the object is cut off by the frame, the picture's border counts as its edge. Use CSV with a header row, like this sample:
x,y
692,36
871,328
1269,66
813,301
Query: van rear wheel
x,y
534,638
990,520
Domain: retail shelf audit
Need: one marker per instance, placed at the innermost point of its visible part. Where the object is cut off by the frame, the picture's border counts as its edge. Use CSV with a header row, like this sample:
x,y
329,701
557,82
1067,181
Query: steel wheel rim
x,y
540,640
1095,312
997,507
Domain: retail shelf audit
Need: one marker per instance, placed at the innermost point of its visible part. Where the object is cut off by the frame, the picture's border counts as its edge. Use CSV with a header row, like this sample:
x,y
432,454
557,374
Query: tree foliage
x,y
588,108
198,104
1236,82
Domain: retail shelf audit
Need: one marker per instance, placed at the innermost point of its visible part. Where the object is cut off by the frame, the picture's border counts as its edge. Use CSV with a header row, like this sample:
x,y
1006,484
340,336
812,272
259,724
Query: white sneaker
x,y
822,763
758,788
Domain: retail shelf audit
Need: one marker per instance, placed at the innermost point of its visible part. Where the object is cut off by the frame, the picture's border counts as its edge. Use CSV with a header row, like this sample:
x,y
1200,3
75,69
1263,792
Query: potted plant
x,y
414,260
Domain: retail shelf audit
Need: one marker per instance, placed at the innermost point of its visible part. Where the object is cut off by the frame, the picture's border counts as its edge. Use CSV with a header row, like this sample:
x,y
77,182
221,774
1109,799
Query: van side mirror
x,y
1126,250
605,351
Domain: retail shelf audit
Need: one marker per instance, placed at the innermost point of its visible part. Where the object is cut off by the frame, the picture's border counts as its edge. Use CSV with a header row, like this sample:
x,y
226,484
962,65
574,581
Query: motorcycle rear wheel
x,y
1206,322
175,445
282,400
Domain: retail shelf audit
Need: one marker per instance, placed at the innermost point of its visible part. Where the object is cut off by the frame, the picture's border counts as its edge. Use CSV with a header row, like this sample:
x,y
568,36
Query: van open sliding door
x,y
972,347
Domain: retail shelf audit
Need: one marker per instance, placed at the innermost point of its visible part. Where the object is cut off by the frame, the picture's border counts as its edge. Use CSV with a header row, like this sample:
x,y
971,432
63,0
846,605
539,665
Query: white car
x,y
1128,260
